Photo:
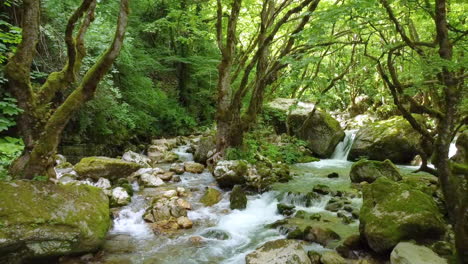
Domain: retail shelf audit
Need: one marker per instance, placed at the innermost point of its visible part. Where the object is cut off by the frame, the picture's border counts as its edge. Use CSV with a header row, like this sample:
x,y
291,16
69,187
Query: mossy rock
x,y
109,168
211,197
394,212
238,198
321,132
370,170
230,172
279,252
203,149
393,139
38,220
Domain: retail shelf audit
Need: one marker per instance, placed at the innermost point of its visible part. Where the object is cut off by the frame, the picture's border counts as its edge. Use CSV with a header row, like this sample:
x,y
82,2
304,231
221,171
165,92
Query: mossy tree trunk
x,y
232,120
41,126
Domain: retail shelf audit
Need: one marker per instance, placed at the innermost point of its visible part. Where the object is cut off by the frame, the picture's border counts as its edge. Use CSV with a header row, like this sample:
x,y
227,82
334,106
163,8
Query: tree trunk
x,y
38,159
453,186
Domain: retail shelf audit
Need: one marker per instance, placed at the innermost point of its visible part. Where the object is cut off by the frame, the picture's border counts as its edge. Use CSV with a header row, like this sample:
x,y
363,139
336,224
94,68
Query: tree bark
x,y
38,158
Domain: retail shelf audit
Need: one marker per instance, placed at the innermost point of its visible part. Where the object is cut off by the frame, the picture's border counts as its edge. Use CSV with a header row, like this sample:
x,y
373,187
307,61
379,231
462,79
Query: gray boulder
x,y
392,139
204,149
371,170
321,132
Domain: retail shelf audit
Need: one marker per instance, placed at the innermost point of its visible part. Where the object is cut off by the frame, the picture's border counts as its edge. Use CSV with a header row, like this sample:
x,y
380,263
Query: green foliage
x,y
259,145
10,149
10,37
40,178
8,111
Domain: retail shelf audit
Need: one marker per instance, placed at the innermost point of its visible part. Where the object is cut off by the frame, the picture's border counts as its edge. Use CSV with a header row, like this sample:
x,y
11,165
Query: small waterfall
x,y
453,149
342,149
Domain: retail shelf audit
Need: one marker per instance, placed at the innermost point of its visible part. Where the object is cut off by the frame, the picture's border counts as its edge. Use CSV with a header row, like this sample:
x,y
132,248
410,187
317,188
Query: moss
x,y
393,212
74,219
211,197
112,169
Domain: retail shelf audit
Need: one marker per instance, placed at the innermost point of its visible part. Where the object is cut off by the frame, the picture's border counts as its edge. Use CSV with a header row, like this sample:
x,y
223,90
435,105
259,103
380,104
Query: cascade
x,y
342,149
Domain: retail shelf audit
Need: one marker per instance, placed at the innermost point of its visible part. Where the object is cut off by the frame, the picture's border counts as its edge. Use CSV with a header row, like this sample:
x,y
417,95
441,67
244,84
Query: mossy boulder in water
x,y
211,197
393,212
392,139
321,132
371,170
238,199
279,252
39,219
109,168
230,172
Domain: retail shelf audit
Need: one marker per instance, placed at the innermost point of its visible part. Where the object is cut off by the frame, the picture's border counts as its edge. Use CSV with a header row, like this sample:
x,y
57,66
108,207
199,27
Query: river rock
x,y
141,159
150,180
322,236
39,220
167,176
279,252
211,197
194,167
262,175
370,170
184,204
205,147
177,168
184,222
321,132
103,183
156,153
168,143
410,253
392,139
285,209
230,172
392,212
331,257
163,209
119,197
109,168
237,199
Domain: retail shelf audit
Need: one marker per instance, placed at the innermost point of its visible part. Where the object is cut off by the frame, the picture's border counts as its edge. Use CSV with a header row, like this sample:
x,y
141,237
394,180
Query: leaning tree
x,y
440,61
41,123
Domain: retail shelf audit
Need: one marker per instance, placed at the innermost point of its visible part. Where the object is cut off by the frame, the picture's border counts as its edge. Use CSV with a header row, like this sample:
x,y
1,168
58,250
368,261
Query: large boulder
x,y
279,252
371,170
409,253
230,172
204,149
109,168
321,132
39,219
393,212
392,139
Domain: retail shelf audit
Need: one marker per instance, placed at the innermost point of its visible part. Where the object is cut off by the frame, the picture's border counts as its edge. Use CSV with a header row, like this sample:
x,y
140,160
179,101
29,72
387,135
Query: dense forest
x,y
233,131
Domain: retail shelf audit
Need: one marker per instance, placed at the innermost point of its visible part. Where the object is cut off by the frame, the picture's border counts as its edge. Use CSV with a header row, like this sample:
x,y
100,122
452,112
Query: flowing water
x,y
224,235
